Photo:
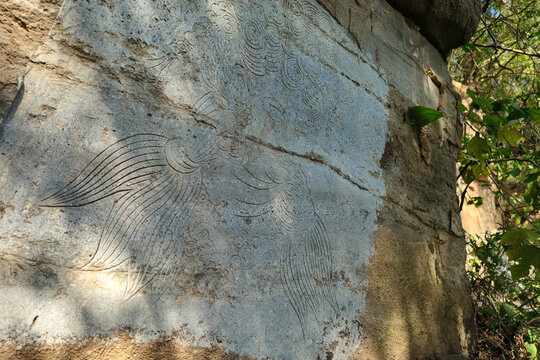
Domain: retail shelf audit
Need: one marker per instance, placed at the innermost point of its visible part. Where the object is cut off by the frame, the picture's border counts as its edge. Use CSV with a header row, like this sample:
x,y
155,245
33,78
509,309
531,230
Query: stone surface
x,y
226,177
446,23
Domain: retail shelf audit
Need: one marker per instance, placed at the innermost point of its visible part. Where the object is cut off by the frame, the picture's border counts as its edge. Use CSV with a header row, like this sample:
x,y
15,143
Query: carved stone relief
x,y
248,205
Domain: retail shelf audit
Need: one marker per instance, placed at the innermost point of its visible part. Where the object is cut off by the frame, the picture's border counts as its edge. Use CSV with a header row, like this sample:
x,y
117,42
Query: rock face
x,y
216,179
446,23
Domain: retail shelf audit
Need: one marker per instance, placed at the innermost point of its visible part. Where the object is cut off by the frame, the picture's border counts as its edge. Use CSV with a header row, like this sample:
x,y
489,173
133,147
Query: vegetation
x,y
506,309
500,150
502,58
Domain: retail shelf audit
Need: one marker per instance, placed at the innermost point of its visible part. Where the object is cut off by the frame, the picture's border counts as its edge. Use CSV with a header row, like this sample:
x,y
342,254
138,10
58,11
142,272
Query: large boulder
x,y
224,180
446,23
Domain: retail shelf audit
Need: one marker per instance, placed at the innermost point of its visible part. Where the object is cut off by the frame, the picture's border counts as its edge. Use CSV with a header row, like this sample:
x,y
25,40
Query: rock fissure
x,y
312,157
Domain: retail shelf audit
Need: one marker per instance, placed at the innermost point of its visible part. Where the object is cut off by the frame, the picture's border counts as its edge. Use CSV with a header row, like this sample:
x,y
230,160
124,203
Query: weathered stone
x,y
446,23
228,177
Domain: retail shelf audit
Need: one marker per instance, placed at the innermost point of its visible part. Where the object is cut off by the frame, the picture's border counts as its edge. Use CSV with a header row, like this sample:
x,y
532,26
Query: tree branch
x,y
486,5
462,200
504,195
517,51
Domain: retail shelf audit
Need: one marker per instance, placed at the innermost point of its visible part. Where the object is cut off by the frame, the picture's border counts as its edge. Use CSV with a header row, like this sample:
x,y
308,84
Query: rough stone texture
x,y
24,27
124,346
446,23
226,179
416,292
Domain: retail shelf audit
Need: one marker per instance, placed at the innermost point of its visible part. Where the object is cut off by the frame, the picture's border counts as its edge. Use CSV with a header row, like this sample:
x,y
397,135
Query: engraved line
x,y
136,220
98,155
85,203
128,239
183,204
113,221
293,294
290,297
83,183
88,194
187,205
266,182
253,186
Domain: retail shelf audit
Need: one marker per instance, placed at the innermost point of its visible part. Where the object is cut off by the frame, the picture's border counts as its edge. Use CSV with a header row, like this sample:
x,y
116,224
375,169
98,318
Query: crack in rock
x,y
316,158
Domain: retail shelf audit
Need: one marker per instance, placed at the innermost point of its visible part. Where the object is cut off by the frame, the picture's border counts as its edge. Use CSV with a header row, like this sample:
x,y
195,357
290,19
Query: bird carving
x,y
306,269
156,182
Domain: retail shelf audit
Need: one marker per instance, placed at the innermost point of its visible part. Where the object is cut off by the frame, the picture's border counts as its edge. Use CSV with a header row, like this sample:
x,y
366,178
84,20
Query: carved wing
x,y
160,182
306,263
264,195
118,168
306,273
318,259
147,230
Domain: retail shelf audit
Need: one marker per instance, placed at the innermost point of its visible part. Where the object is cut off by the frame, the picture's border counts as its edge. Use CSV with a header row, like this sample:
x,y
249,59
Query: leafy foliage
x,y
504,152
505,307
500,67
500,149
502,58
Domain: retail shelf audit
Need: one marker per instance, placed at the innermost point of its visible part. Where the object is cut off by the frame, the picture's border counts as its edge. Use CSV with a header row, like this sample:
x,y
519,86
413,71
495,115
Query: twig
x,y
463,170
503,193
463,197
486,5
517,51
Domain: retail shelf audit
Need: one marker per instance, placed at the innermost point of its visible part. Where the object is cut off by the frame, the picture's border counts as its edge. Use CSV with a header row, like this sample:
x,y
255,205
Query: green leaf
x,y
523,250
518,235
476,200
515,239
508,135
519,271
481,102
468,47
474,117
493,120
508,309
531,348
514,251
516,114
462,107
532,193
530,256
487,52
532,177
478,146
478,172
419,116
500,105
471,94
514,172
534,114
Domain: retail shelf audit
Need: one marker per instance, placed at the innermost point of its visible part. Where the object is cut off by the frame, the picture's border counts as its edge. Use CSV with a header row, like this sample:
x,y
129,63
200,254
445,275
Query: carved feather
x,y
306,263
118,168
160,183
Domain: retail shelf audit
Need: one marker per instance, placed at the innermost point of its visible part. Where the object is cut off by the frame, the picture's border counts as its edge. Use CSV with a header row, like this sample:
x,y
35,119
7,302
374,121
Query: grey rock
x,y
446,23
